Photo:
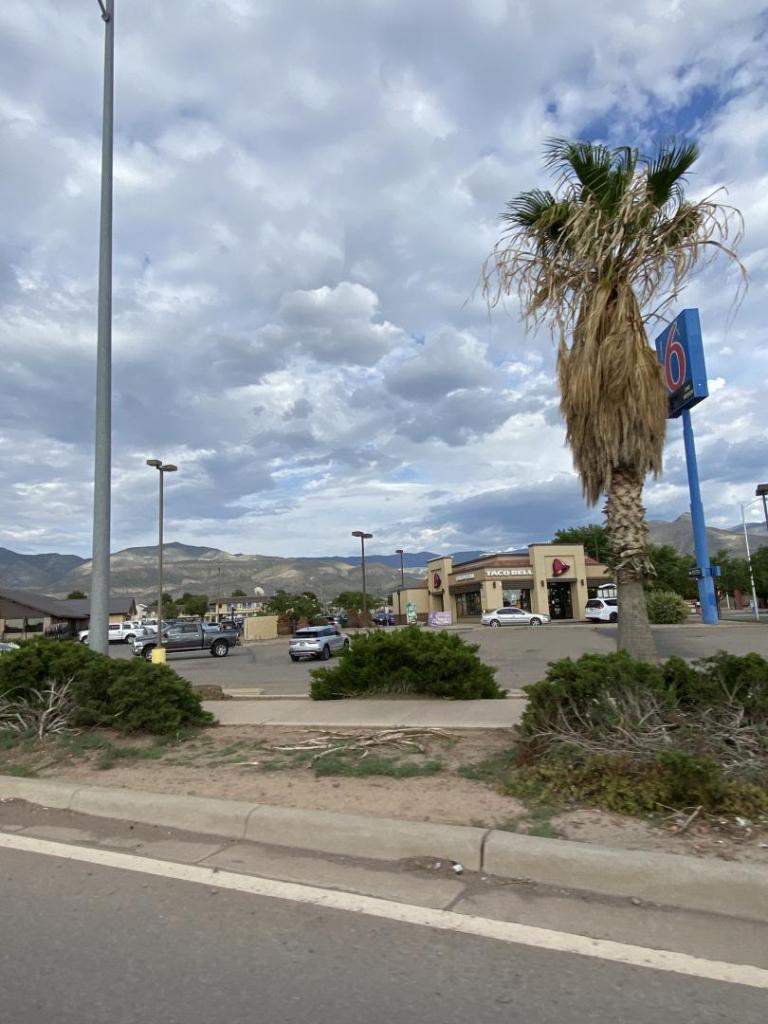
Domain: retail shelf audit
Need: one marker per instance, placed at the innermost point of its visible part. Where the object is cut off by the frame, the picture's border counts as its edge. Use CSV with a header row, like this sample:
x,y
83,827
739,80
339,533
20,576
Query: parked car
x,y
602,609
316,642
119,632
383,618
188,636
6,648
513,617
339,619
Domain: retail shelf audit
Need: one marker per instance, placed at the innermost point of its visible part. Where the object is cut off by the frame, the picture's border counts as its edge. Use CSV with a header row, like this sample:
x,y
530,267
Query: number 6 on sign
x,y
681,355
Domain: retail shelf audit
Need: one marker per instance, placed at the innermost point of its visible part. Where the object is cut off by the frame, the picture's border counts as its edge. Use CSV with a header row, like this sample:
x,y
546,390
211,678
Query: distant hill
x,y
679,535
411,559
215,572
34,572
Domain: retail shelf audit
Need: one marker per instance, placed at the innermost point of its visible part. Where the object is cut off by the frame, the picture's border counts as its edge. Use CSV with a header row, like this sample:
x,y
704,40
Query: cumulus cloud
x,y
303,201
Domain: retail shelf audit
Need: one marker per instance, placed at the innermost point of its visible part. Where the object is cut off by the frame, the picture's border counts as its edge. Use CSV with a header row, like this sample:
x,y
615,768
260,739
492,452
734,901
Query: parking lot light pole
x,y
162,469
98,634
744,505
399,551
363,538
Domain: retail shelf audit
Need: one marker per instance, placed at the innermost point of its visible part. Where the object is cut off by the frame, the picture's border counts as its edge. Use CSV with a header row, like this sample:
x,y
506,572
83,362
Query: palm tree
x,y
611,247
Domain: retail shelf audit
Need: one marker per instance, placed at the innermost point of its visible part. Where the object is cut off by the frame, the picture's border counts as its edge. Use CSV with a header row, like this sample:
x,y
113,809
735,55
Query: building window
x,y
517,597
35,625
469,604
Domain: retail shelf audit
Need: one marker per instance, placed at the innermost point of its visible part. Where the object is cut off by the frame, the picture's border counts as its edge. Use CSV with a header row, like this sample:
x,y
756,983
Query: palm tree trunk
x,y
628,533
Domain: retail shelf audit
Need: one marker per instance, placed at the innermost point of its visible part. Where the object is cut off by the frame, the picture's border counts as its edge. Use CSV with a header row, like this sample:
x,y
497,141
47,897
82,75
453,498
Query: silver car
x,y
317,642
513,617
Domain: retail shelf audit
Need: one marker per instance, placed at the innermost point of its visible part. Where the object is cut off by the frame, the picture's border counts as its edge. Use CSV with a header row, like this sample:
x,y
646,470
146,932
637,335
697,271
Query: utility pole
x,y
158,655
399,551
363,538
98,626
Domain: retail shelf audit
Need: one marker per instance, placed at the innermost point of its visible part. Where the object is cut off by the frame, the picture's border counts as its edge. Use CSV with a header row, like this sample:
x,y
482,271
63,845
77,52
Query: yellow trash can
x,y
158,655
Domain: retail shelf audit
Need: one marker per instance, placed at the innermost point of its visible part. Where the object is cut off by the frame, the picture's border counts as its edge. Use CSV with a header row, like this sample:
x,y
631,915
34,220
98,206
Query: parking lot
x,y
520,654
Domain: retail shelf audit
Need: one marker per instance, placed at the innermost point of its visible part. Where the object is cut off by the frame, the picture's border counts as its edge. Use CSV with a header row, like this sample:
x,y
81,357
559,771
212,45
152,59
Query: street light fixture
x,y
363,538
98,626
399,551
761,491
743,505
162,468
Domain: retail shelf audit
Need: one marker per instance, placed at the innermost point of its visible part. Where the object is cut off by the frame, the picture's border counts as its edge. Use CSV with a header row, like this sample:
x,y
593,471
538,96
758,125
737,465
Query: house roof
x,y
76,608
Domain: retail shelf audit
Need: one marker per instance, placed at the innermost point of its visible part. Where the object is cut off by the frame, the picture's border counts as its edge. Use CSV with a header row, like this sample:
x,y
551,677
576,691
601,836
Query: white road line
x,y
445,920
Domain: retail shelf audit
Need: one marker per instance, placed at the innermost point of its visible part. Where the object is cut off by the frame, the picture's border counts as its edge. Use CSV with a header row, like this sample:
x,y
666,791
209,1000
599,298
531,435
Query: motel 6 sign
x,y
681,354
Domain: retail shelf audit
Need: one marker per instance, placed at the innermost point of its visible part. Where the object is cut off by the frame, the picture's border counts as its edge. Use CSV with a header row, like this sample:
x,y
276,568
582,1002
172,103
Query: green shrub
x,y
582,694
40,661
407,661
140,697
629,785
666,608
618,733
130,696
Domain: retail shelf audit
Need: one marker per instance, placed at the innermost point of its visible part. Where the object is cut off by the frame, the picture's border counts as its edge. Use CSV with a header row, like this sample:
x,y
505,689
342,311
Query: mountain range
x,y
215,572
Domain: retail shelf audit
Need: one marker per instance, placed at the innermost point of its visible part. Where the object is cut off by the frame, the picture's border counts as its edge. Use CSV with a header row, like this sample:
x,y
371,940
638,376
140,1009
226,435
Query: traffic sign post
x,y
681,354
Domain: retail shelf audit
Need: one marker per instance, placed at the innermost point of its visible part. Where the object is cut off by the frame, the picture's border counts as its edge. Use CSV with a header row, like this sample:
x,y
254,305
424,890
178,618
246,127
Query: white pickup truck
x,y
119,632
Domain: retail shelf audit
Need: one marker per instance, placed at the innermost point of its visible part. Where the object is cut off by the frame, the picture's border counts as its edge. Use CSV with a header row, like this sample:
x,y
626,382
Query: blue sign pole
x,y
681,353
706,582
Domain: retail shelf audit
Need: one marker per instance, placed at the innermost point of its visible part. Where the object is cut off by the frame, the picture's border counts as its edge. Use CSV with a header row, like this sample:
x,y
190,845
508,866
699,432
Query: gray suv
x,y
317,642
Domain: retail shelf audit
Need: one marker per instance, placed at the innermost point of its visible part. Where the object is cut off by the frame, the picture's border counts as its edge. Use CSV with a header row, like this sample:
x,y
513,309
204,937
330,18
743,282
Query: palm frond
x,y
667,169
528,209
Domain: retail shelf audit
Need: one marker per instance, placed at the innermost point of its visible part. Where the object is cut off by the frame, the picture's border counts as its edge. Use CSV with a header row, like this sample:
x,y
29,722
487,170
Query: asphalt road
x,y
520,654
88,944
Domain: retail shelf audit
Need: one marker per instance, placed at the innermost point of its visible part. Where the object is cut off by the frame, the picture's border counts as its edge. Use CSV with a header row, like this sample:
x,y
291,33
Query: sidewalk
x,y
438,714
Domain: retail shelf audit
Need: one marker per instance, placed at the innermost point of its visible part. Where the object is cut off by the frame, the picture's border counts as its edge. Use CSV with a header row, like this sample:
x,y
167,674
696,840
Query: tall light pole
x,y
98,626
363,538
399,551
744,505
162,468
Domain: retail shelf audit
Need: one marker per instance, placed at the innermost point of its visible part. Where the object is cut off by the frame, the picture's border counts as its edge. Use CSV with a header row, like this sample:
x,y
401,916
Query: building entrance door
x,y
560,602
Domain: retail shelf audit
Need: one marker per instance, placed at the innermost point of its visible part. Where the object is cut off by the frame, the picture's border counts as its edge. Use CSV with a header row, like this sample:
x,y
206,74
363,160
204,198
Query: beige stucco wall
x,y
439,596
542,557
418,595
260,627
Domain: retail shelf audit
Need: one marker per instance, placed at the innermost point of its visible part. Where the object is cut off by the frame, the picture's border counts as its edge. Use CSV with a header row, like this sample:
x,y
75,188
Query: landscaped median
x,y
740,891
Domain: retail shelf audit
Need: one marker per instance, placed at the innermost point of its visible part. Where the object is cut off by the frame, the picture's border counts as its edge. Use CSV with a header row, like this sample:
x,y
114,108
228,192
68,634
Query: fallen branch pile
x,y
324,744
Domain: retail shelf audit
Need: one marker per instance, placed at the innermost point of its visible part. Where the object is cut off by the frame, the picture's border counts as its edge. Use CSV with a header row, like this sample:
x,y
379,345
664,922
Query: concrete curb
x,y
687,883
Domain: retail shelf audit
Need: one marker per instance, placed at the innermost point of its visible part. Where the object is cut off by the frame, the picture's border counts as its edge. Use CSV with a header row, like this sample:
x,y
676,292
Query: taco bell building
x,y
549,579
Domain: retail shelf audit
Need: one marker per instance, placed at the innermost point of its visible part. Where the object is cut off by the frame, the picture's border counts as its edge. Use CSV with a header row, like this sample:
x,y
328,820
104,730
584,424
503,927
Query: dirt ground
x,y
411,776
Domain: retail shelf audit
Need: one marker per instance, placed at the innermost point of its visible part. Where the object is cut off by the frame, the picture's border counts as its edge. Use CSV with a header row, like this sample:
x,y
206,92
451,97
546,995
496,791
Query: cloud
x,y
303,202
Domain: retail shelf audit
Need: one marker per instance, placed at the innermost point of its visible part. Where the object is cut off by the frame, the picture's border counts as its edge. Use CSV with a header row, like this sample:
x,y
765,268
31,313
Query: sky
x,y
305,194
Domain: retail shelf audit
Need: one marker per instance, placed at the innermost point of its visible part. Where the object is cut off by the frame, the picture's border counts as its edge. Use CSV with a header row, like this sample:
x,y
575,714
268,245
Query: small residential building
x,y
237,605
551,579
24,613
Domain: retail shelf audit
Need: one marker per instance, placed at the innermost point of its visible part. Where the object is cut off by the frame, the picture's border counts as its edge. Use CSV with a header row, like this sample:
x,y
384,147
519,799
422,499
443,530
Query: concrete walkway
x,y
440,714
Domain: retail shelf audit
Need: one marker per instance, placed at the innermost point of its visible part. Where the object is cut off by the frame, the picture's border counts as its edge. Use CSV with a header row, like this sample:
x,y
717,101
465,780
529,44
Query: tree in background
x,y
239,593
169,606
735,573
295,606
614,246
193,604
594,539
352,601
76,595
670,571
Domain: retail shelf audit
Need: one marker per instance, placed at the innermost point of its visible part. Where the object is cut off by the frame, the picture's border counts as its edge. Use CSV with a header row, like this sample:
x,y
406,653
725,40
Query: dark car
x,y
383,618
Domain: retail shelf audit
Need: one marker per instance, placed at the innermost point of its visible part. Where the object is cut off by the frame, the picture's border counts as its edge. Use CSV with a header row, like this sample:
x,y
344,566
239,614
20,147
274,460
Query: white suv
x,y
118,632
602,609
